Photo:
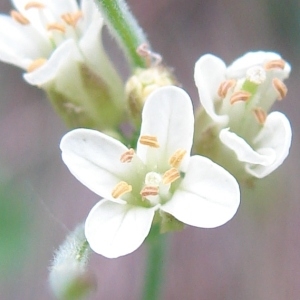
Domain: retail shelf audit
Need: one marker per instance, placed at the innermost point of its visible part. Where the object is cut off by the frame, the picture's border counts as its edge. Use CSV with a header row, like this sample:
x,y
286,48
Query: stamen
x,y
120,189
72,18
170,176
34,4
225,86
149,191
274,64
56,26
36,64
177,157
19,17
256,75
280,88
127,156
149,140
260,115
240,96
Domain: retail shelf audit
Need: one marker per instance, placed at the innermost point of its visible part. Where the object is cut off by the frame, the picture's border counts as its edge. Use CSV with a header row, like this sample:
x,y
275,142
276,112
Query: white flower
x,y
237,100
159,178
59,46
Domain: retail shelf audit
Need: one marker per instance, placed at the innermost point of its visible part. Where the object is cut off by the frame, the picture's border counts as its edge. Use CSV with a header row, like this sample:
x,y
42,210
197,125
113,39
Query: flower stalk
x,y
155,268
124,27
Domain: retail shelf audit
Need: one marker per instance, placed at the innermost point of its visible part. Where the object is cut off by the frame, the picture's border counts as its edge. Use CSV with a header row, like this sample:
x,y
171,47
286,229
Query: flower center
x,y
247,99
152,187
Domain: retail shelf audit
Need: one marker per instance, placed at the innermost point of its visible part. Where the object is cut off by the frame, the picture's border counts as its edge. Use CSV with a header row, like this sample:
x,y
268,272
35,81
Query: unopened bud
x,y
142,83
69,278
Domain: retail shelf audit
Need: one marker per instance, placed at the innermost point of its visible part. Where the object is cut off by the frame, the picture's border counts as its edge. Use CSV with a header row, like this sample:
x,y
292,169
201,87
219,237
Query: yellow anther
x,y
260,115
274,64
225,86
280,88
36,64
57,27
177,157
72,18
149,191
149,140
19,17
170,176
240,96
34,4
120,189
127,156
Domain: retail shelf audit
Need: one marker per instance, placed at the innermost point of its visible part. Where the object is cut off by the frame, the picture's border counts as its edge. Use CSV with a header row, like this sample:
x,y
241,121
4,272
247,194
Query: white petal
x,y
239,67
20,44
114,229
94,159
244,152
168,115
209,73
66,53
57,7
91,13
207,197
276,135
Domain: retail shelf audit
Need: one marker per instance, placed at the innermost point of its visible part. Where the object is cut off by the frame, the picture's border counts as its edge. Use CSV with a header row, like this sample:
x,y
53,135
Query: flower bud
x,y
69,278
142,83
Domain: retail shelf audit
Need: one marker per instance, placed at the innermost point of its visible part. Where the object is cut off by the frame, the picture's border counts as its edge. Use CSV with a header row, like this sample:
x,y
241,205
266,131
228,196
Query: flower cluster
x,y
234,127
58,44
158,179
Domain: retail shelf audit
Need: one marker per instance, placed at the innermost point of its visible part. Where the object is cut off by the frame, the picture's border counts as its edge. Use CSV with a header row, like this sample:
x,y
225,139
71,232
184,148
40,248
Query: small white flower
x,y
41,36
160,177
237,100
59,46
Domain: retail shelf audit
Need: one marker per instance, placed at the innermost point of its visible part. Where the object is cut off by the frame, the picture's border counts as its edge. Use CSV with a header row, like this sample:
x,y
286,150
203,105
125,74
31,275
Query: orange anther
x,y
120,189
240,96
35,64
225,86
19,17
177,157
274,64
72,18
149,191
57,27
260,115
170,176
127,156
280,88
34,4
149,140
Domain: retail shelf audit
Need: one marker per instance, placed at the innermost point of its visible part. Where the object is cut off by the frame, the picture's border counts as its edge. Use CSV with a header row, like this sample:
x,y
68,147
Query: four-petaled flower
x,y
236,101
159,178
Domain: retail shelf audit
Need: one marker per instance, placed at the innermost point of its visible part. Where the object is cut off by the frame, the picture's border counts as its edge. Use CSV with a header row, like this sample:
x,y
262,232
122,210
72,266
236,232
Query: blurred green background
x,y
254,256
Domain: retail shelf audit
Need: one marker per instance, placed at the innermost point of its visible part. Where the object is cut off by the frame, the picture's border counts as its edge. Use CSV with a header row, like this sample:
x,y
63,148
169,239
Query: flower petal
x,y
20,44
114,229
276,135
239,67
168,115
207,197
209,73
244,151
65,54
94,159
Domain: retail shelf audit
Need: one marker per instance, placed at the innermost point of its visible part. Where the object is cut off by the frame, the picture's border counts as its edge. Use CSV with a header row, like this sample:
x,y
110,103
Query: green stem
x,y
124,27
155,268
